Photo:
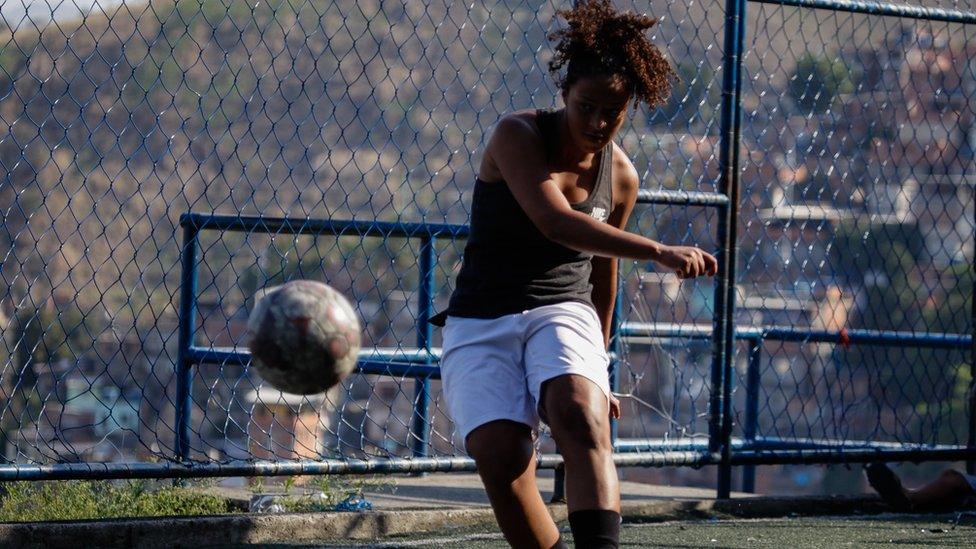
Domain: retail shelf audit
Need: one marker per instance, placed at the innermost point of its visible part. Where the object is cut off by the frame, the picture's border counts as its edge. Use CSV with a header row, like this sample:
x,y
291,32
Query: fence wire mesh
x,y
859,168
855,167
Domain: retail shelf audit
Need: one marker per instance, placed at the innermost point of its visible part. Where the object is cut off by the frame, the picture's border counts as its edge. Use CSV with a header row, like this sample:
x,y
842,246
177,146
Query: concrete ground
x,y
465,491
931,531
442,510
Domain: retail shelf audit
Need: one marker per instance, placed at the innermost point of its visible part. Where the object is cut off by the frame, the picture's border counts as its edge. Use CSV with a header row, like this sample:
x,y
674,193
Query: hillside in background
x,y
853,210
120,125
117,125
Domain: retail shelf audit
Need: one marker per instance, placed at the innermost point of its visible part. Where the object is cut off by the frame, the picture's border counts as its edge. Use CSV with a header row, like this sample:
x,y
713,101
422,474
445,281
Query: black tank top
x,y
509,266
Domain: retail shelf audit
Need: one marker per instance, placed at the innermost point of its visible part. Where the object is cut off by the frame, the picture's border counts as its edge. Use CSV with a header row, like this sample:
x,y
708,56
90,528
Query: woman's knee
x,y
577,427
502,450
578,415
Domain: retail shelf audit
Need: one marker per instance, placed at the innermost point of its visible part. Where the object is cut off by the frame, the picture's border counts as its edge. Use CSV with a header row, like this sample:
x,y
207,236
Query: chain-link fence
x,y
165,161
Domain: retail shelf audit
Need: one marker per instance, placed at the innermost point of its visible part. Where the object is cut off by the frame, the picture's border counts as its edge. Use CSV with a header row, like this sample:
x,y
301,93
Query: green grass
x,y
88,500
82,499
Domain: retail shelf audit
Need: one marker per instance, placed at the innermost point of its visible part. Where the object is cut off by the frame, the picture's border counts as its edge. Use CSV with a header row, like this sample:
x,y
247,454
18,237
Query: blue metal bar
x,y
867,337
665,329
725,470
719,428
692,457
231,355
681,198
785,333
187,330
616,351
395,465
853,455
420,426
772,445
752,408
389,364
780,443
383,368
880,8
971,439
285,225
631,445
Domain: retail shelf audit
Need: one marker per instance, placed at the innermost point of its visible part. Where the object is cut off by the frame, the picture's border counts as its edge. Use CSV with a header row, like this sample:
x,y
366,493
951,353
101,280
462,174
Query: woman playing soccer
x,y
528,324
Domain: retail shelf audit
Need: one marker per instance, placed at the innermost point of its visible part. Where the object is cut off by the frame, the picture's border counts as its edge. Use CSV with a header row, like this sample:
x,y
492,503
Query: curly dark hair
x,y
602,41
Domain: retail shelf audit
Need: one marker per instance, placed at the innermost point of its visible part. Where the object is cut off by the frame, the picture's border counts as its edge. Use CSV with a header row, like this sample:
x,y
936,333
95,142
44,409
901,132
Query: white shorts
x,y
493,369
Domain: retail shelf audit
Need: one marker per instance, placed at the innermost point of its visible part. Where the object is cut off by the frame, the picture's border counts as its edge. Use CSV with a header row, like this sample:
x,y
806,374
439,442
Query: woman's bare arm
x,y
517,150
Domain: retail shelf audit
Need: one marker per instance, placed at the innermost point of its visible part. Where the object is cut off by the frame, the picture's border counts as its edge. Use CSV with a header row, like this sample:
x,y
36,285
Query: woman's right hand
x,y
688,261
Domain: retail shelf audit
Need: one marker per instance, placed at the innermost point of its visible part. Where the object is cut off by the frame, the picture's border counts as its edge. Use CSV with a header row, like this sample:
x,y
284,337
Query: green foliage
x,y
46,334
695,96
817,80
950,314
884,259
82,499
12,61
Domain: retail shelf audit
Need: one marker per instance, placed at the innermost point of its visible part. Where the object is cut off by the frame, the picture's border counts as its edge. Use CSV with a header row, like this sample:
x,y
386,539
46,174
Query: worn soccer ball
x,y
304,337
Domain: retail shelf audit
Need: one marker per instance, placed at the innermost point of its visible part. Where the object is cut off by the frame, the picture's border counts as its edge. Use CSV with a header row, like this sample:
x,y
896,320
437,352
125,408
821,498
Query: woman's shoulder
x,y
516,132
519,123
625,175
516,136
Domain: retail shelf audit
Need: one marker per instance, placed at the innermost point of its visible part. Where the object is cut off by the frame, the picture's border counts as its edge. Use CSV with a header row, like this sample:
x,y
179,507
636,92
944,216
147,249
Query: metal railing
x,y
230,96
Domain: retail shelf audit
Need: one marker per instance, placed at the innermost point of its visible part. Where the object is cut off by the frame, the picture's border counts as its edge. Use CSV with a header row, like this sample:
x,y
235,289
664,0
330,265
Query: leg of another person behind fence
x,y
949,491
505,456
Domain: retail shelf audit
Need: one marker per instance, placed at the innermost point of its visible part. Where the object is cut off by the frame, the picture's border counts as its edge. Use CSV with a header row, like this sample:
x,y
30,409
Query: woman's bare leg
x,y
578,415
505,456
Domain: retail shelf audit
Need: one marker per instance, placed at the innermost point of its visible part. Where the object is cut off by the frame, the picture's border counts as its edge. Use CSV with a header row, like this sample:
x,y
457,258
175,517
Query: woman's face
x,y
595,109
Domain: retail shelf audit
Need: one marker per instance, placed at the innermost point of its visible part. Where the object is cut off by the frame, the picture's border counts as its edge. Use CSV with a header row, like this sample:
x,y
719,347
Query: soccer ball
x,y
304,337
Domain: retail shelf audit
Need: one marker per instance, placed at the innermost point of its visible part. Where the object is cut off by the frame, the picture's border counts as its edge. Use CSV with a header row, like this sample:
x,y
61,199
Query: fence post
x,y
616,348
971,442
752,408
720,422
187,330
420,426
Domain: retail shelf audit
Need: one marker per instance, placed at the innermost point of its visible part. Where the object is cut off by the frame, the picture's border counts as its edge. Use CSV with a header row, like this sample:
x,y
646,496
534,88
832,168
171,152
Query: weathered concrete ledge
x,y
374,525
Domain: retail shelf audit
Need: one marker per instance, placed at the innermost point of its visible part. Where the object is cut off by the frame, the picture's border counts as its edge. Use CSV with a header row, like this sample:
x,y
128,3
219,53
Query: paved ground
x,y
465,491
450,510
930,531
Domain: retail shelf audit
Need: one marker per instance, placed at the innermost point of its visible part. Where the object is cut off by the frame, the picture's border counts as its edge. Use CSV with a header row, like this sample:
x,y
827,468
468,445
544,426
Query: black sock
x,y
595,529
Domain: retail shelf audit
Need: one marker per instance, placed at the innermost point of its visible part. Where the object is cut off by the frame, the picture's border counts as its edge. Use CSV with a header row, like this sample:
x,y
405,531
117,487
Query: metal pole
x,y
420,426
720,423
558,483
616,350
971,443
187,330
965,17
752,409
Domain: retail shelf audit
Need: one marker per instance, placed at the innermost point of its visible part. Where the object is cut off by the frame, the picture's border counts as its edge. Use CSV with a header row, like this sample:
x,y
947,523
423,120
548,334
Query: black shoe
x,y
888,485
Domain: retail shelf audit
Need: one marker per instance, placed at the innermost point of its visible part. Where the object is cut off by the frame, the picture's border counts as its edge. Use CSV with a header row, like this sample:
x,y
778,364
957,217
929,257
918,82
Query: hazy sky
x,y
21,13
